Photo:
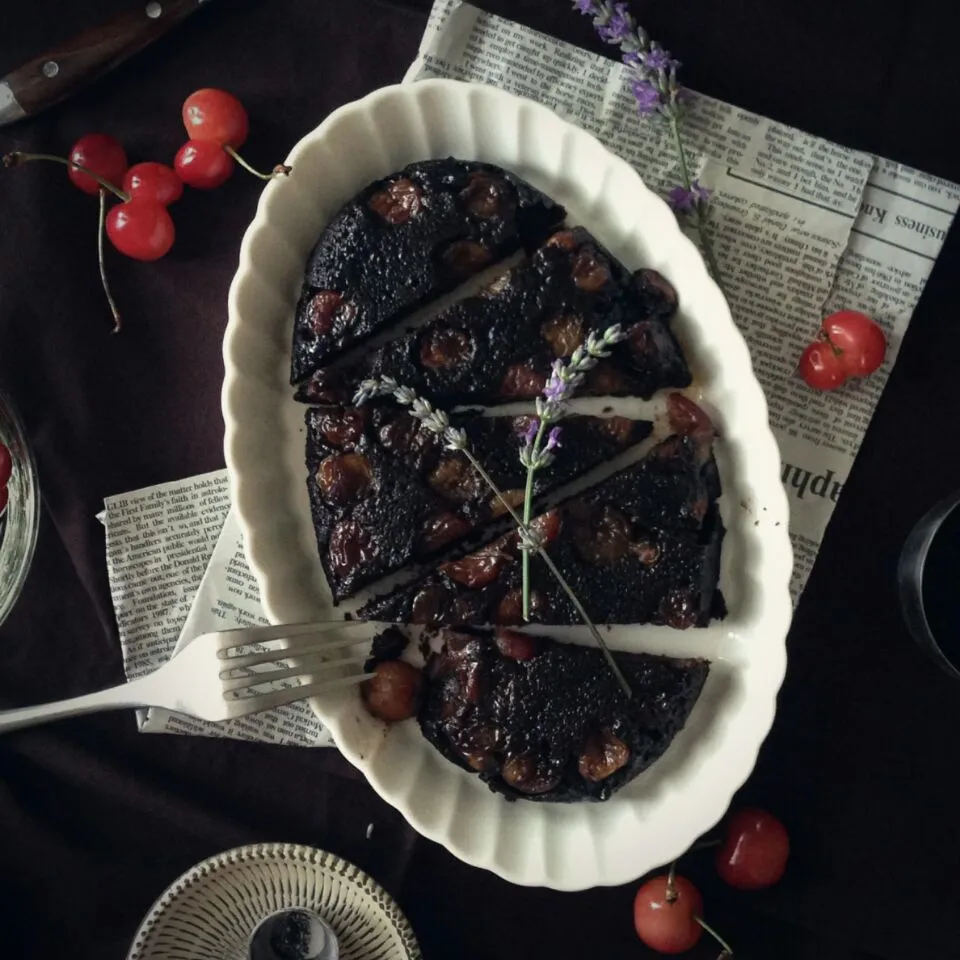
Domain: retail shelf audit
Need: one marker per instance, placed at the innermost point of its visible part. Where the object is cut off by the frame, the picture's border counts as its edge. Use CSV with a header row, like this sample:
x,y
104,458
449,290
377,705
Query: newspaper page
x,y
229,596
159,541
177,570
800,226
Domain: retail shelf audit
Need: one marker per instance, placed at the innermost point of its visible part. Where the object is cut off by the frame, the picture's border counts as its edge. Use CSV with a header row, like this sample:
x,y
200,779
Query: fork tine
x,y
286,653
240,706
244,636
309,668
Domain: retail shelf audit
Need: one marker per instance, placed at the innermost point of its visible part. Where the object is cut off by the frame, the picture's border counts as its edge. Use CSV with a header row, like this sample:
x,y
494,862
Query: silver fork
x,y
211,679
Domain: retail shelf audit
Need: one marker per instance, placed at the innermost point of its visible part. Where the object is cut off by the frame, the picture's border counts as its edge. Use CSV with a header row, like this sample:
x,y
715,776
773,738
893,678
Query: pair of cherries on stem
x,y
141,226
668,909
849,345
217,125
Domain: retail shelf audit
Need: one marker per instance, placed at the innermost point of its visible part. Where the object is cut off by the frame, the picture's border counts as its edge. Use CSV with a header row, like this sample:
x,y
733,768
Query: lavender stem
x,y
705,243
552,567
527,510
595,633
681,153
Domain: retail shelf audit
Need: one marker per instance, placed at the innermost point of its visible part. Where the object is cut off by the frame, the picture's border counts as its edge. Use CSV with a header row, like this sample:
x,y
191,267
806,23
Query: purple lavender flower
x,y
653,74
683,200
654,70
656,59
553,440
531,432
556,387
618,27
647,96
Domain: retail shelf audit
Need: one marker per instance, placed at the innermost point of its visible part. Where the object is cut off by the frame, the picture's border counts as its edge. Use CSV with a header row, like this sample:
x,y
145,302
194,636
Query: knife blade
x,y
61,71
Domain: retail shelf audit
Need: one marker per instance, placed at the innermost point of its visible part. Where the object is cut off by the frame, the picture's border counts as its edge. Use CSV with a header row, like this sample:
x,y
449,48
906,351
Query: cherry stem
x,y
671,883
280,170
18,157
103,266
824,337
727,949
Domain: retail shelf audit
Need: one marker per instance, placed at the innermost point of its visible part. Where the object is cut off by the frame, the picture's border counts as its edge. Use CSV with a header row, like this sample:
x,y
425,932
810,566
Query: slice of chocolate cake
x,y
403,241
541,720
640,547
384,493
499,346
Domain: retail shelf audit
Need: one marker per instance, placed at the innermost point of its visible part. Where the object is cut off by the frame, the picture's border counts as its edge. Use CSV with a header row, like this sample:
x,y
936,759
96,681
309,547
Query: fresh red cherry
x,y
153,181
668,927
215,116
849,344
755,850
859,339
142,229
102,154
821,367
203,165
6,465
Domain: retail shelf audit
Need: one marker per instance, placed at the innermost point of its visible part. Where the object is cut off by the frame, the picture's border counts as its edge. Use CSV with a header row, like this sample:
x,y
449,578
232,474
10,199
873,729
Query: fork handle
x,y
136,693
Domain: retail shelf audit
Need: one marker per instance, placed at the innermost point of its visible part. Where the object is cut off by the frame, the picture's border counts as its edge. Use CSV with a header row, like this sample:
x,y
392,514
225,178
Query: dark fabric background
x,y
95,819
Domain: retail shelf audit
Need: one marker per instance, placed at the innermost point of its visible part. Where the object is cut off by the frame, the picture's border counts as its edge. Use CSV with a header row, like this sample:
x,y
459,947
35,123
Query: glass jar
x,y
928,574
20,518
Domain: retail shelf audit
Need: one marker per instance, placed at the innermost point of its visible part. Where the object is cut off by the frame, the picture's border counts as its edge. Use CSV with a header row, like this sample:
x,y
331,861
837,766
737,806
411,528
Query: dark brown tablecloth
x,y
95,819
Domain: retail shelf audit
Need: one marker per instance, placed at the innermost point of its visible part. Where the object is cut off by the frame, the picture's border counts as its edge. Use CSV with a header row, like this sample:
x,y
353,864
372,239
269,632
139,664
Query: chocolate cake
x,y
541,720
404,240
499,345
536,719
385,494
640,547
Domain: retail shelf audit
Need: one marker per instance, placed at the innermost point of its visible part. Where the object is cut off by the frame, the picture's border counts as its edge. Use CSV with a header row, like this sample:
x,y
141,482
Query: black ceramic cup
x,y
929,579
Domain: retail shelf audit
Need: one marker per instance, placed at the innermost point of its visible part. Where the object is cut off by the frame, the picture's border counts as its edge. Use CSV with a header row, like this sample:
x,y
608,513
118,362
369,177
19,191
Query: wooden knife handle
x,y
64,69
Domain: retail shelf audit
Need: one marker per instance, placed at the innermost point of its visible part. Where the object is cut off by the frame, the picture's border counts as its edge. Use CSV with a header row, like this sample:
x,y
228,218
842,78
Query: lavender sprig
x,y
655,84
536,454
656,90
438,423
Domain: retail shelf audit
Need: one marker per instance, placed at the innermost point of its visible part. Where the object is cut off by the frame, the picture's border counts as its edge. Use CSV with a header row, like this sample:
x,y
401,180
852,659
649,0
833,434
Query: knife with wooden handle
x,y
59,72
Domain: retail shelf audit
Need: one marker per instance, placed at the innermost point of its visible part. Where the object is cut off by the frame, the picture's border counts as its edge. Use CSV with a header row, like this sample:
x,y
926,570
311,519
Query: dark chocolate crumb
x,y
388,645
